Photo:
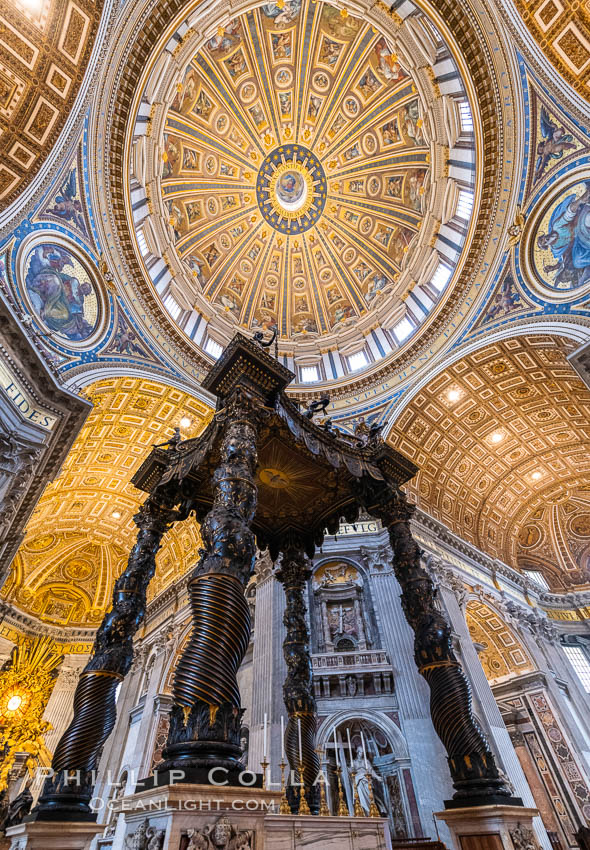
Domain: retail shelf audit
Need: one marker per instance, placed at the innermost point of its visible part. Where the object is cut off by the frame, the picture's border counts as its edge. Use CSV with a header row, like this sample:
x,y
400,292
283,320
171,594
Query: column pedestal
x,y
241,813
490,827
44,835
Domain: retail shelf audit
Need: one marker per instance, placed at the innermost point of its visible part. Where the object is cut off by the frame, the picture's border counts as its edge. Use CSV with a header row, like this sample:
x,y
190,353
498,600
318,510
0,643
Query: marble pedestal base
x,y
45,835
489,827
241,817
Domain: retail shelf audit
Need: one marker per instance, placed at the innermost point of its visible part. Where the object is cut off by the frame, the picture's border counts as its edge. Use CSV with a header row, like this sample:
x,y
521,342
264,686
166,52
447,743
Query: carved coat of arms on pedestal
x,y
221,835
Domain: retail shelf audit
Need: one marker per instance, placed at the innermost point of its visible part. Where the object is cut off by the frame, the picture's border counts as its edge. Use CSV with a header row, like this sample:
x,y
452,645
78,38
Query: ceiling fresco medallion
x,y
558,240
290,170
63,295
291,189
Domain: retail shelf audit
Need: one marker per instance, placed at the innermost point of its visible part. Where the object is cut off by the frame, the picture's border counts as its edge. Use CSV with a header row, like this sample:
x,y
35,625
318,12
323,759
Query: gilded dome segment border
x,y
492,106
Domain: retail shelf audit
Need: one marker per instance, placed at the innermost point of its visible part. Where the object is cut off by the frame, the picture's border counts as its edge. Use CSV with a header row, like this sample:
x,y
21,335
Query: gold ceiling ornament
x,y
25,688
501,653
561,28
501,441
359,129
516,228
81,532
43,56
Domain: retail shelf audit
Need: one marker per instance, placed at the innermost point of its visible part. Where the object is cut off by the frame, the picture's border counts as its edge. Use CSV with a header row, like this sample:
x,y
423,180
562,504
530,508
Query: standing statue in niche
x,y
363,777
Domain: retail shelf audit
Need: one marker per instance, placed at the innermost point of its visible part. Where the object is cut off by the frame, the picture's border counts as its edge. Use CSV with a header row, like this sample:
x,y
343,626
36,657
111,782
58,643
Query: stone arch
x,y
392,732
502,653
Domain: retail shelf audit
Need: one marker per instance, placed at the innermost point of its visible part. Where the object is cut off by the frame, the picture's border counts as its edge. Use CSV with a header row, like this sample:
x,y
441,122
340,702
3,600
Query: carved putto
x,y
221,835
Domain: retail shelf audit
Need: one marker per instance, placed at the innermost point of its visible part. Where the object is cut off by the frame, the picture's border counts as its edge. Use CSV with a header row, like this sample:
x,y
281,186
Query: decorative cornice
x,y
16,619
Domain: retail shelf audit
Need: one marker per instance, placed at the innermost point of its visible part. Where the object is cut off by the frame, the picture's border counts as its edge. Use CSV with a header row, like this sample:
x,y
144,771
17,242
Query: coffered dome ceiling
x,y
305,171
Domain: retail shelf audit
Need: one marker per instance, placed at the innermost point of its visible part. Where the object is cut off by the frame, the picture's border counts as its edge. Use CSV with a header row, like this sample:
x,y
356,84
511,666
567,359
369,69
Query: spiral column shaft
x,y
297,689
206,716
78,752
471,762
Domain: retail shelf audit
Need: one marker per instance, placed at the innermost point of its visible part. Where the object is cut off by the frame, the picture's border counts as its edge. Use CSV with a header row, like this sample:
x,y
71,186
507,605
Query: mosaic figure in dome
x,y
196,267
126,341
281,45
170,156
505,300
412,123
339,26
226,39
378,283
564,236
389,66
66,303
67,206
390,133
416,187
369,84
186,91
330,52
284,13
394,186
556,140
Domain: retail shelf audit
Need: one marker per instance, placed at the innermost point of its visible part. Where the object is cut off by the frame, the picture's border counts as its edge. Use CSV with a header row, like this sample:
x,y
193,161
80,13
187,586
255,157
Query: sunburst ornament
x,y
291,189
25,688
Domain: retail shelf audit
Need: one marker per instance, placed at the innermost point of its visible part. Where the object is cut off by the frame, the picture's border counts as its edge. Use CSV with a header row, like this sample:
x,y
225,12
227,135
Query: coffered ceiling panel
x,y
561,28
82,530
502,439
45,46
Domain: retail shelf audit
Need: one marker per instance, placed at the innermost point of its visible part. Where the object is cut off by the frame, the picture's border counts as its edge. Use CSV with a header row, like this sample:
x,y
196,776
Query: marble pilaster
x,y
430,771
268,674
489,713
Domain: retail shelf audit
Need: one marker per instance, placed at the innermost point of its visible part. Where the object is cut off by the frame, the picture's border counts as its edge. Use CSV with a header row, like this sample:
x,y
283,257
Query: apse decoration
x,y
61,292
296,180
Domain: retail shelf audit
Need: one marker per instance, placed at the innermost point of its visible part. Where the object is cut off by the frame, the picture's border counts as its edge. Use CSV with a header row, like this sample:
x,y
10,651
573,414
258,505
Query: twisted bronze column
x,y
472,764
67,793
206,717
298,690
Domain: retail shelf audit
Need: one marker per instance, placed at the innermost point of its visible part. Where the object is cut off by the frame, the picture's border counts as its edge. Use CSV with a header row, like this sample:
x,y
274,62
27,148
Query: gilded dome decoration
x,y
286,175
